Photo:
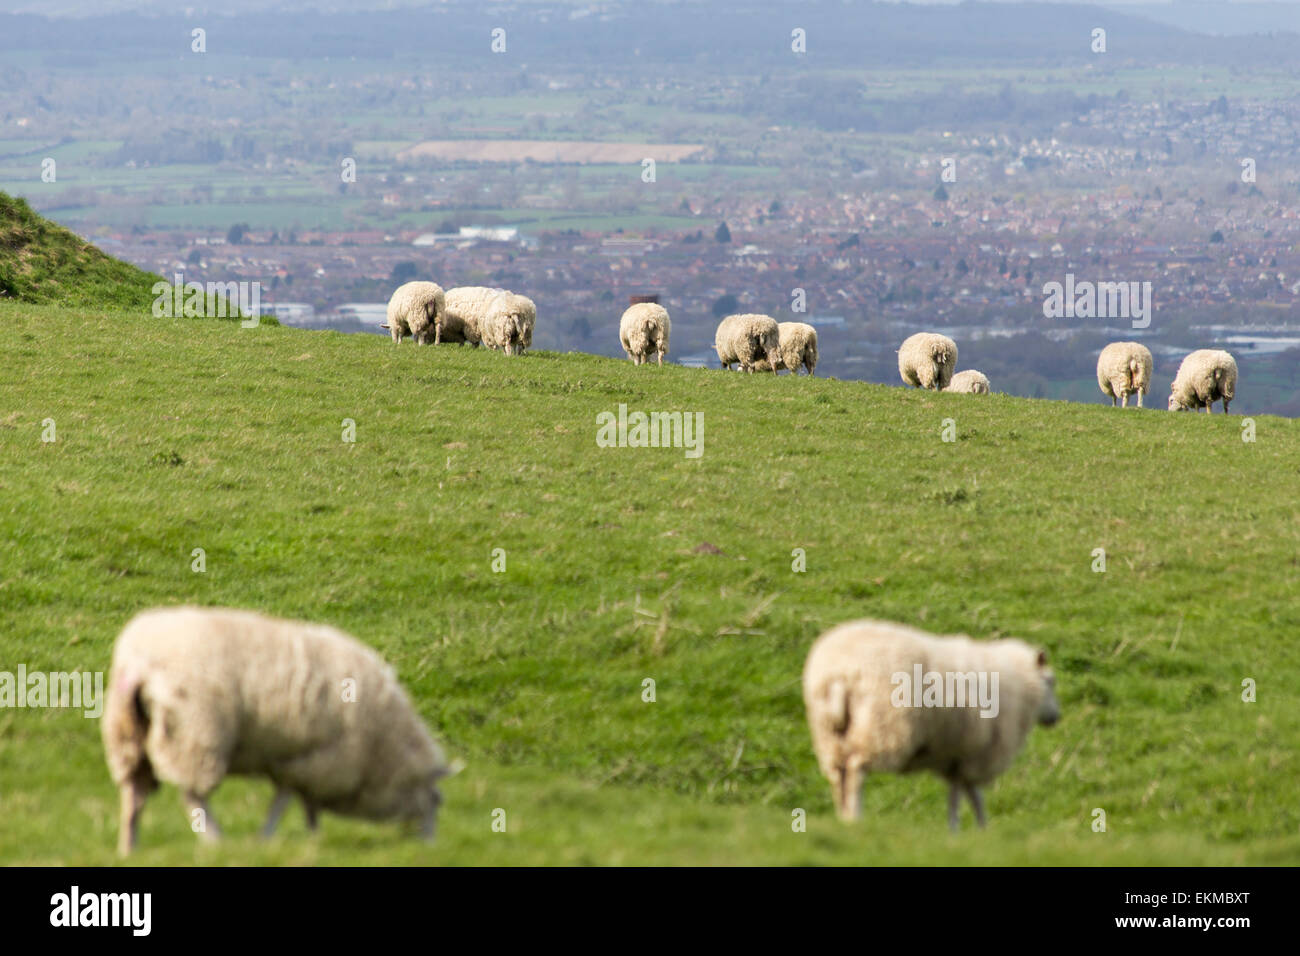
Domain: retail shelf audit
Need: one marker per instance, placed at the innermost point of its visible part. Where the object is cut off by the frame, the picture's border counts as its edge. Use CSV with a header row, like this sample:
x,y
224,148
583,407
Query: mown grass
x,y
180,434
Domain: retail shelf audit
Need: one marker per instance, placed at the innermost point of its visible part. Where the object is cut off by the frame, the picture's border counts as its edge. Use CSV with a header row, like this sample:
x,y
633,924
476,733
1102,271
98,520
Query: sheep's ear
x,y
1042,658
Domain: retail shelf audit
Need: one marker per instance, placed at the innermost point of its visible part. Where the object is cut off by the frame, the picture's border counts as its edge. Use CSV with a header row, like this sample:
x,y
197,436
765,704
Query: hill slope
x,y
625,565
41,262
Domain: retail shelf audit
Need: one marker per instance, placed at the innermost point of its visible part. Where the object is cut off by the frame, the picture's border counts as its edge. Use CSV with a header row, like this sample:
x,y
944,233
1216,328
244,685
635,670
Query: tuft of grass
x,y
627,565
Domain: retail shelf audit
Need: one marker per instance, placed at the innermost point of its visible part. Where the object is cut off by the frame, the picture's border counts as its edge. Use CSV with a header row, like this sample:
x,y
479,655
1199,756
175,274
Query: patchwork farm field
x,y
627,565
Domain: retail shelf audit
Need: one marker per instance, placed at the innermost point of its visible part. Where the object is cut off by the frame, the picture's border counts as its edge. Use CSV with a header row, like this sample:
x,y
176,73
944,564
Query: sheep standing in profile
x,y
927,360
798,348
198,693
970,382
884,697
643,331
416,309
744,339
1124,369
1204,377
465,306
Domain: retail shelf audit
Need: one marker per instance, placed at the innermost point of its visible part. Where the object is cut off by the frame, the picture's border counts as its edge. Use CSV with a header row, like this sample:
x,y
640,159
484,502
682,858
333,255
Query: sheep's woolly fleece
x,y
744,339
927,360
971,382
1204,377
415,309
858,727
197,693
1124,369
798,348
643,332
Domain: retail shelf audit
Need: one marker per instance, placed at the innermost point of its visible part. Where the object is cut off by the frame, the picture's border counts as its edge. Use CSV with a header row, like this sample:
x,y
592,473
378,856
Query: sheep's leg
x,y
954,807
1124,403
429,826
210,832
1141,392
852,792
836,777
661,358
133,794
1225,406
976,802
279,804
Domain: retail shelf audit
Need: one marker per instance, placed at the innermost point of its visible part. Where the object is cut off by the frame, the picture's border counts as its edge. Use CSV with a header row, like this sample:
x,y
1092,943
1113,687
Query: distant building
x,y
826,321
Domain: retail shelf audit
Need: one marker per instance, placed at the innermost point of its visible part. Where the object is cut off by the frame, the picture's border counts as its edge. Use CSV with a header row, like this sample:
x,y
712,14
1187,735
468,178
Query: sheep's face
x,y
1049,710
1175,405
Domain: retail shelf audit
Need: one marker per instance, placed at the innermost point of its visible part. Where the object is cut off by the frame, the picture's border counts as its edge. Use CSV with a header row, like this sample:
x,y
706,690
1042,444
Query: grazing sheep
x,y
644,330
798,348
1204,377
1124,368
927,360
414,309
498,317
971,382
869,689
465,307
199,693
528,316
744,339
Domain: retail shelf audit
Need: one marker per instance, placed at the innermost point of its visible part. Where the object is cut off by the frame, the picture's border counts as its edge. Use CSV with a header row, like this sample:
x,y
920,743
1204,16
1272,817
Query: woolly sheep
x,y
504,320
465,306
1124,368
798,348
864,715
1205,376
744,339
199,693
971,382
643,331
414,309
528,316
927,360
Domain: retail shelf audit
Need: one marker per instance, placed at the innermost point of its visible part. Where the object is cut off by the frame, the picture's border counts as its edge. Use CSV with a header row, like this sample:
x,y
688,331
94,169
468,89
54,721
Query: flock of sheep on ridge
x,y
196,694
499,318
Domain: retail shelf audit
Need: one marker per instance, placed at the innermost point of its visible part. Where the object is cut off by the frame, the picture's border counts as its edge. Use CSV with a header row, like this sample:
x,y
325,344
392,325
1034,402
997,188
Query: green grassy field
x,y
174,435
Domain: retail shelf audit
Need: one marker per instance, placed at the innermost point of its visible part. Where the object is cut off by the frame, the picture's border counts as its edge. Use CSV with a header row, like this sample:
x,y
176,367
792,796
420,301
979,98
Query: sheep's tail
x,y
383,326
1134,371
837,705
125,724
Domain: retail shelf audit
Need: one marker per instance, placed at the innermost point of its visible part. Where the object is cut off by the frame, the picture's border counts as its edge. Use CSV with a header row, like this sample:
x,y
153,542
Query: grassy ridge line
x,y
42,262
537,673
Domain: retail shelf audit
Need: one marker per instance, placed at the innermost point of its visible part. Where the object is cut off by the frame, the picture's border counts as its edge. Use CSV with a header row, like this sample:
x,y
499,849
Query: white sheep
x,y
465,306
971,382
798,348
1204,377
644,330
199,693
1124,368
528,317
744,339
927,360
502,319
884,697
414,309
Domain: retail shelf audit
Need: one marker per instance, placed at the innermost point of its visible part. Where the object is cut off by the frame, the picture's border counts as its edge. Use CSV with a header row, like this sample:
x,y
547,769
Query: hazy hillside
x,y
628,565
41,261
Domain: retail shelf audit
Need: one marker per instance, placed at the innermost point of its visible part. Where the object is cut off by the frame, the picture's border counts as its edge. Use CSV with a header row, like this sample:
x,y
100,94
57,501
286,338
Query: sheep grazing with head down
x,y
416,309
798,348
970,382
643,332
199,693
1124,369
1204,377
744,339
927,360
884,697
527,311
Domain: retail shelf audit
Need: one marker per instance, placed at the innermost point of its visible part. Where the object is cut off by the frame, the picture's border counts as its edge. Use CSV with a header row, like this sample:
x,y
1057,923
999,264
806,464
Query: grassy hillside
x,y
624,565
41,261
